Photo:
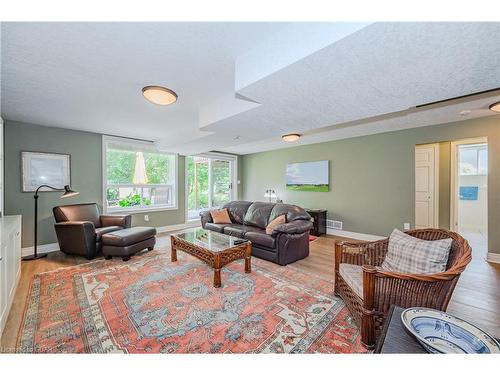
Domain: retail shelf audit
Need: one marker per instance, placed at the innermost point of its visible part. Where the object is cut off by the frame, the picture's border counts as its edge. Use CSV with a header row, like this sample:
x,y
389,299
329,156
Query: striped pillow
x,y
407,254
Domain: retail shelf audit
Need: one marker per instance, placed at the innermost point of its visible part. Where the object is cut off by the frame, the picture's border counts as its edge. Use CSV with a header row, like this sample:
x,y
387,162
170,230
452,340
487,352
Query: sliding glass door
x,y
221,182
209,182
197,181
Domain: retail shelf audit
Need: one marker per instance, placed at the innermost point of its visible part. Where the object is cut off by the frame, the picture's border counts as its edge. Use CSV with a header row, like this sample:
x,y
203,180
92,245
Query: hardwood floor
x,y
476,297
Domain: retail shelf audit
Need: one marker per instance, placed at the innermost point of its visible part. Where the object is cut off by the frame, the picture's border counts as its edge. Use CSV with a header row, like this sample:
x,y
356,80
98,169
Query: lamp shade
x,y
270,193
68,192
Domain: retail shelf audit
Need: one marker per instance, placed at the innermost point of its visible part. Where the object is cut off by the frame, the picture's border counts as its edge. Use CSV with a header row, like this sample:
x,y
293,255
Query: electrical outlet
x,y
146,217
406,226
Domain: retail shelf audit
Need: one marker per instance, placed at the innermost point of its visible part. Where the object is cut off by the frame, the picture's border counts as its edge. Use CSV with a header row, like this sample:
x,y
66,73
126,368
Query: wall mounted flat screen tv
x,y
308,176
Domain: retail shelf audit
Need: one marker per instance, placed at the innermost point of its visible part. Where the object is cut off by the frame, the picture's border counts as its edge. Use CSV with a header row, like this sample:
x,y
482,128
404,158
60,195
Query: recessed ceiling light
x,y
290,137
495,107
465,112
159,95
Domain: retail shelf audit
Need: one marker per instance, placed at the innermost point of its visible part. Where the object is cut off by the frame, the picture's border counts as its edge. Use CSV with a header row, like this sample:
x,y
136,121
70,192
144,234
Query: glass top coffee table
x,y
215,249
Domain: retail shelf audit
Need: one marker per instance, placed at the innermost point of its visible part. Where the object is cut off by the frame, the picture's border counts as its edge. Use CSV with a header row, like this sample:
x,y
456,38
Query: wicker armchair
x,y
381,289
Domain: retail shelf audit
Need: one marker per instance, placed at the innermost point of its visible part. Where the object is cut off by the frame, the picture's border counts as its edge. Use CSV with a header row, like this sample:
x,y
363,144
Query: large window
x,y
137,177
210,181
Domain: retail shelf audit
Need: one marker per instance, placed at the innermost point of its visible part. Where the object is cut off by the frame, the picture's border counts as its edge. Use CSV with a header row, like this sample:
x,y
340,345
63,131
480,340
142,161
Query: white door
x,y
469,188
426,192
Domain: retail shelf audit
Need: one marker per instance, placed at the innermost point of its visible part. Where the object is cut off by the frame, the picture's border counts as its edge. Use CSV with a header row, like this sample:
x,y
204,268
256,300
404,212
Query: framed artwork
x,y
308,176
41,168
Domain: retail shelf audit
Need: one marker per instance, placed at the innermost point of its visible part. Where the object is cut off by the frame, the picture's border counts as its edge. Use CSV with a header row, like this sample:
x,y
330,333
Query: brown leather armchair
x,y
79,228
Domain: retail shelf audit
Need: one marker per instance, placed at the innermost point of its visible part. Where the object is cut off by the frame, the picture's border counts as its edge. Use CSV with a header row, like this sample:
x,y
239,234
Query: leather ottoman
x,y
126,242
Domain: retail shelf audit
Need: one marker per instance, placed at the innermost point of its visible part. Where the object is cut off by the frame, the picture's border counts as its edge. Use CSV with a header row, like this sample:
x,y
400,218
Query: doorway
x,y
210,181
427,186
469,188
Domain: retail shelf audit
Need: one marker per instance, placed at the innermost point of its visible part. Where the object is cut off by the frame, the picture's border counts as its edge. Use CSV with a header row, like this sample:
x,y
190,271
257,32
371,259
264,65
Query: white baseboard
x,y
50,247
176,227
354,235
493,258
41,249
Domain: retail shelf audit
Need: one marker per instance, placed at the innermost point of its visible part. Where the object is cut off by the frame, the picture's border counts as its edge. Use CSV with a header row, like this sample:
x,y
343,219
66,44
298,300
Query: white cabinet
x,y
1,166
10,263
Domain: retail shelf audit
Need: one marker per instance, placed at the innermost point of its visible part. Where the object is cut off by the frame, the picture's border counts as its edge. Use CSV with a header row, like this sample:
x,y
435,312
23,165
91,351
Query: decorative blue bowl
x,y
439,332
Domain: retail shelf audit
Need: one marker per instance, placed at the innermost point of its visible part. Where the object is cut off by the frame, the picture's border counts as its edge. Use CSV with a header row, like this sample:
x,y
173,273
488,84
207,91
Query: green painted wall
x,y
372,177
86,175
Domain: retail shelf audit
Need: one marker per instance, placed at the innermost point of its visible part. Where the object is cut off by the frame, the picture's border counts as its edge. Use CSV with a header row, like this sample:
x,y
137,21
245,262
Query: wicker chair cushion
x,y
353,276
407,254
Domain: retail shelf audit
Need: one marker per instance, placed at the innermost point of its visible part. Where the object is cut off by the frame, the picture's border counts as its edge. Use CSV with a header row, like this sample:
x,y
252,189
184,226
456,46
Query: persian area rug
x,y
150,305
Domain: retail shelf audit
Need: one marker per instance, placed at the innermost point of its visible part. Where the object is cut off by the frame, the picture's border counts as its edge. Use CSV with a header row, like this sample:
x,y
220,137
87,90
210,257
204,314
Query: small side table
x,y
318,220
394,338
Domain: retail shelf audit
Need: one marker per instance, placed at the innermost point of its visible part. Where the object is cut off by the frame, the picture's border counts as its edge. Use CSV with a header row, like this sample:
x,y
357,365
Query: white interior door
x,y
468,172
426,186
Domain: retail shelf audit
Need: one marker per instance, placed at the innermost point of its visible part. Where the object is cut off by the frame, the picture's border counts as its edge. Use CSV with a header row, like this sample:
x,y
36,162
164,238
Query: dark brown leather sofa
x,y
79,228
288,242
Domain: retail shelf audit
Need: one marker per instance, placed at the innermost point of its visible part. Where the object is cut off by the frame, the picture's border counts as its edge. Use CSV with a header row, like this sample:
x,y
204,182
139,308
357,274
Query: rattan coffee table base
x,y
216,260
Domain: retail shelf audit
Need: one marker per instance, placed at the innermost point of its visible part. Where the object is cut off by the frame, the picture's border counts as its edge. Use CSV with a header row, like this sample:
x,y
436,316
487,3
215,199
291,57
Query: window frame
x,y
477,149
143,146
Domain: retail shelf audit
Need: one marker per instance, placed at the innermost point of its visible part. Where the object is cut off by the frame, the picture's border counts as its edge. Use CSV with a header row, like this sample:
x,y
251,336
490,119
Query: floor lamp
x,y
67,193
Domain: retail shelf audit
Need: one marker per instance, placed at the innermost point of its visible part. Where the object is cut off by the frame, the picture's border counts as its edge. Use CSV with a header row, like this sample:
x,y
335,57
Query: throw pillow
x,y
220,216
407,254
277,221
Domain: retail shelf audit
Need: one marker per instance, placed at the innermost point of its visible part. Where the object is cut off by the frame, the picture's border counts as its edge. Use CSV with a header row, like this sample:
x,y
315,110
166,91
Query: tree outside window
x,y
139,179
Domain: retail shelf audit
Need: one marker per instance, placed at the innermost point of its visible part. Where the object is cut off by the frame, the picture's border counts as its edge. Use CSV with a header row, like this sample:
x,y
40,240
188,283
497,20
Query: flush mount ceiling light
x,y
290,137
159,95
495,107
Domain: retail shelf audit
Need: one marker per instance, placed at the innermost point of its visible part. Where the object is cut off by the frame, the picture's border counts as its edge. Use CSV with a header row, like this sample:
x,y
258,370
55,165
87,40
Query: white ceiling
x,y
242,85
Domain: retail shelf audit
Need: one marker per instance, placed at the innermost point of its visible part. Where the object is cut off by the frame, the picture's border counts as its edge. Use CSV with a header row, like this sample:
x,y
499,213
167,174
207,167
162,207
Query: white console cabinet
x,y
10,263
